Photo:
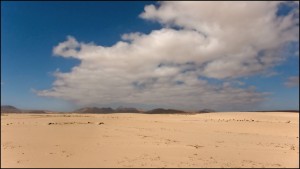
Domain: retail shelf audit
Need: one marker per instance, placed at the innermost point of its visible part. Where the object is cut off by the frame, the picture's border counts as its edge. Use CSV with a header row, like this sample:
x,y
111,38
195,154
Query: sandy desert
x,y
228,139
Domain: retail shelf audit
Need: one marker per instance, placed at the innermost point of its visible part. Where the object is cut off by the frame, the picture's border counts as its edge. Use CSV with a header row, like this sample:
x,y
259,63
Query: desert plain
x,y
227,139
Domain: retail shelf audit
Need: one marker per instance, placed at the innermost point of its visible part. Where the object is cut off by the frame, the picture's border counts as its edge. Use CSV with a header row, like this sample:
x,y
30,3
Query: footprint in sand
x,y
196,146
292,147
66,154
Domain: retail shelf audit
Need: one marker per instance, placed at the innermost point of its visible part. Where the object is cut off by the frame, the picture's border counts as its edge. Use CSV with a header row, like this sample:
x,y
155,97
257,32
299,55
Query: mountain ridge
x,y
121,109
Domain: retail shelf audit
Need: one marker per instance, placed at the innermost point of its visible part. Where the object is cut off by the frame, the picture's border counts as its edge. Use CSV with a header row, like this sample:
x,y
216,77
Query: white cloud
x,y
67,48
236,36
292,81
224,41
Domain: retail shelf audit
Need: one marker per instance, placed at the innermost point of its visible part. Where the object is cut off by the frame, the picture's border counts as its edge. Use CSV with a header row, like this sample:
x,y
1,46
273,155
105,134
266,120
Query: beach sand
x,y
229,139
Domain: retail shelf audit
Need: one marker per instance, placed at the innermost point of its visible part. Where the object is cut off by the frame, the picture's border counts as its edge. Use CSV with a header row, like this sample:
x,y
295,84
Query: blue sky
x,y
31,30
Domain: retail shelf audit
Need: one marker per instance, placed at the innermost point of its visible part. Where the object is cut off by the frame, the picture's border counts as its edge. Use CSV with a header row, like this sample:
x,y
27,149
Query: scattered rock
x,y
100,123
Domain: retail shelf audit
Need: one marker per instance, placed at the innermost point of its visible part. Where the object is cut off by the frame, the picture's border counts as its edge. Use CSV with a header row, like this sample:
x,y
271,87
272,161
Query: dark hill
x,y
94,110
127,110
165,111
206,111
35,111
10,109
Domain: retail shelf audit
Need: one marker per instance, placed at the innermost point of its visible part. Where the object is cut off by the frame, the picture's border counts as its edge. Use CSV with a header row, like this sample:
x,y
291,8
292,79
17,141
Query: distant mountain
x,y
121,109
94,110
165,111
35,111
127,110
206,111
291,111
10,109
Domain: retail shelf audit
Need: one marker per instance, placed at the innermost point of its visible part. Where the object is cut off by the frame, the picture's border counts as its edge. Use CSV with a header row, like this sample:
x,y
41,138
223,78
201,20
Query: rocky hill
x,y
35,111
206,111
10,109
165,111
95,110
127,110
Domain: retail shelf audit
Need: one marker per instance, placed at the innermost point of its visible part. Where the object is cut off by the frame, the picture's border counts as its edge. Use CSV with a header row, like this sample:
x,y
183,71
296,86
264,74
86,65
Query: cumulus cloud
x,y
172,66
292,81
239,41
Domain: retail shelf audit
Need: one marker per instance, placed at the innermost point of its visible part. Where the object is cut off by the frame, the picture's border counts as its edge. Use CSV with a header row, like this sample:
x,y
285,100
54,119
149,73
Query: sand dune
x,y
233,139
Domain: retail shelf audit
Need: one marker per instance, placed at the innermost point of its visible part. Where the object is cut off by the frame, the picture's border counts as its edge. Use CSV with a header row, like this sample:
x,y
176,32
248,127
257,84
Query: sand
x,y
232,139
